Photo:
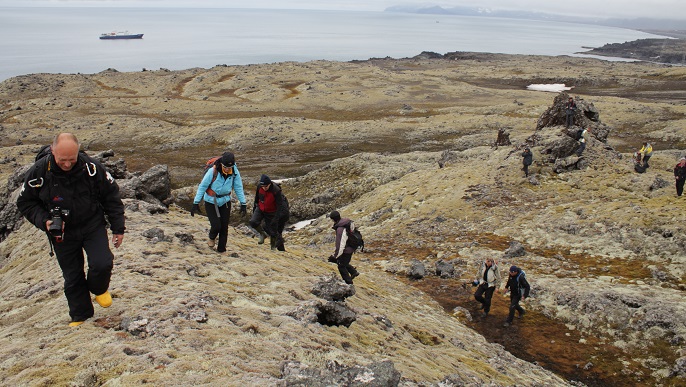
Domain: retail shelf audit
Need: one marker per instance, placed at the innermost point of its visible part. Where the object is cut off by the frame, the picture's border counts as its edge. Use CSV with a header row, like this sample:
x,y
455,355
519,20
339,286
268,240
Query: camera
x,y
57,216
475,283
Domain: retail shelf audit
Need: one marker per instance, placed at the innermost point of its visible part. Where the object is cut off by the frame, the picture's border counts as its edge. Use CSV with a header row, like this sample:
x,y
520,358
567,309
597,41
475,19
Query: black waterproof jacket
x,y
88,192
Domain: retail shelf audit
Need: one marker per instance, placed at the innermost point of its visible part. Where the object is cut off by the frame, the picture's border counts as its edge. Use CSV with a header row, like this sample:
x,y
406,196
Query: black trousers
x,y
484,294
219,225
645,161
680,187
514,305
525,168
570,119
78,285
345,268
265,221
581,149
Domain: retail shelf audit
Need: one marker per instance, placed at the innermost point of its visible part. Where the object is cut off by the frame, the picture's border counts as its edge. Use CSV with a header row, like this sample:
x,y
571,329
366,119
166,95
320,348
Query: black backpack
x,y
355,239
286,206
579,133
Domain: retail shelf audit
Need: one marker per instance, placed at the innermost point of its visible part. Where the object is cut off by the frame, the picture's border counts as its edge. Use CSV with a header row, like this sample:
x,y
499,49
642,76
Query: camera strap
x,y
52,253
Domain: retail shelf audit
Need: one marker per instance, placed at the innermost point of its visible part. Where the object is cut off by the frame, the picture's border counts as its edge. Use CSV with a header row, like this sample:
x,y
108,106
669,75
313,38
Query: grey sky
x,y
665,9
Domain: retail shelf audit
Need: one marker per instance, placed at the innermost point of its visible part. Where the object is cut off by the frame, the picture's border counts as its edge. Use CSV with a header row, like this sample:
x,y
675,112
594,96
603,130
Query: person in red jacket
x,y
270,213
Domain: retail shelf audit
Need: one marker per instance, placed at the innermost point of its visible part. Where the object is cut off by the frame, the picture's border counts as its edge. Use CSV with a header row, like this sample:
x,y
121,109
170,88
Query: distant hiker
x,y
215,189
645,152
269,213
570,108
67,194
638,165
344,251
488,279
528,159
519,289
680,176
585,137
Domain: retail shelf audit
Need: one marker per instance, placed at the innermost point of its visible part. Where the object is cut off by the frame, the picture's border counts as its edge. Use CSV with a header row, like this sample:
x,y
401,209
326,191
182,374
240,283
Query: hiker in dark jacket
x,y
68,187
570,108
528,159
519,289
680,176
269,213
344,253
215,189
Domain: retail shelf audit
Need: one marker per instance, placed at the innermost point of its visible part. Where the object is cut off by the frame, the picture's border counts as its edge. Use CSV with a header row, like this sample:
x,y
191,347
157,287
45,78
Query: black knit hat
x,y
228,160
335,216
265,180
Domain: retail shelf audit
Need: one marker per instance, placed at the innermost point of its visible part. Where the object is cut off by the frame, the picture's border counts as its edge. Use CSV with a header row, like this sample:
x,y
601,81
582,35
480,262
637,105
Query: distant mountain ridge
x,y
639,23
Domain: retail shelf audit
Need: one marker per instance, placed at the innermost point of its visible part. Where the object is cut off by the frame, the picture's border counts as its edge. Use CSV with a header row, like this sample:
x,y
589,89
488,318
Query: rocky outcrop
x,y
378,374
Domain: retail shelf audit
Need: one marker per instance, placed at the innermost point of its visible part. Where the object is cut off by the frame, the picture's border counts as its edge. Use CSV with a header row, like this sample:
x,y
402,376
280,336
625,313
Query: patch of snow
x,y
553,87
301,224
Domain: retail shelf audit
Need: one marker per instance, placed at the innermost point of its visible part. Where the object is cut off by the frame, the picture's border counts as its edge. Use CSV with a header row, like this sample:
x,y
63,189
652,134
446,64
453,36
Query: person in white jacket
x,y
488,280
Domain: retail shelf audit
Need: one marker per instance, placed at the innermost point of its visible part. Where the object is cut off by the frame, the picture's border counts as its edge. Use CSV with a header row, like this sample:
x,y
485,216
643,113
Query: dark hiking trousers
x,y
570,119
219,225
514,306
347,271
484,294
680,187
581,149
78,285
265,221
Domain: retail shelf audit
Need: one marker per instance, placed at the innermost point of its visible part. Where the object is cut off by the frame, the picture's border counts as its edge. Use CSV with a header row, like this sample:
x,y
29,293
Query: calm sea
x,y
65,40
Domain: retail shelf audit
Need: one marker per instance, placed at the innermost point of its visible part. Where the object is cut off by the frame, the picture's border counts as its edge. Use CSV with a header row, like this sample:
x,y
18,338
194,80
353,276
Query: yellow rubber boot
x,y
104,300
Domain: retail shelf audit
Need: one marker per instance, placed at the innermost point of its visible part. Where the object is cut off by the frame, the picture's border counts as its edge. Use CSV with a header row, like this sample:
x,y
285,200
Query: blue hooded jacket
x,y
222,186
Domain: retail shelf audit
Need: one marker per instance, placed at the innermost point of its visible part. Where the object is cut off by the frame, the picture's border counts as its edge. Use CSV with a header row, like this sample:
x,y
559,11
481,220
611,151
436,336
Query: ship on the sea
x,y
121,35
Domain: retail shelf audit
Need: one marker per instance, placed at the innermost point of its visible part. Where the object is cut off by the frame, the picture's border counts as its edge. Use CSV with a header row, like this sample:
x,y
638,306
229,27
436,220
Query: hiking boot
x,y
354,275
104,300
506,324
484,314
75,323
210,243
260,237
272,243
521,314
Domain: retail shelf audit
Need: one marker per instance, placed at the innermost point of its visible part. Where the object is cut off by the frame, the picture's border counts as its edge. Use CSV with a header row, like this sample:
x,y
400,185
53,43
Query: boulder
x,y
332,289
377,374
417,270
445,269
156,182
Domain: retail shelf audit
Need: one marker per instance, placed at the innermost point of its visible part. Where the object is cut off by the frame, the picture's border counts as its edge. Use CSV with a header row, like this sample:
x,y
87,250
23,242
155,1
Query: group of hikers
x,y
65,186
488,281
270,207
72,198
640,157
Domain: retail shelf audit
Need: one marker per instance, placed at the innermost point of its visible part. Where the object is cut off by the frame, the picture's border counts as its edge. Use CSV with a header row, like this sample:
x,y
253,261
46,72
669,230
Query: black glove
x,y
332,259
195,209
244,210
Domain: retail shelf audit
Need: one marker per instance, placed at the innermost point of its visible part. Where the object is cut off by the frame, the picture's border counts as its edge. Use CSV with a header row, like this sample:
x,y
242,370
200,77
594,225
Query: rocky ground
x,y
408,149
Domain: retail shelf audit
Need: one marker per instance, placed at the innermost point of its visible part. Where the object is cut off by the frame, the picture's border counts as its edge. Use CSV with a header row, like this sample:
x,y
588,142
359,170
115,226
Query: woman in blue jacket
x,y
215,189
